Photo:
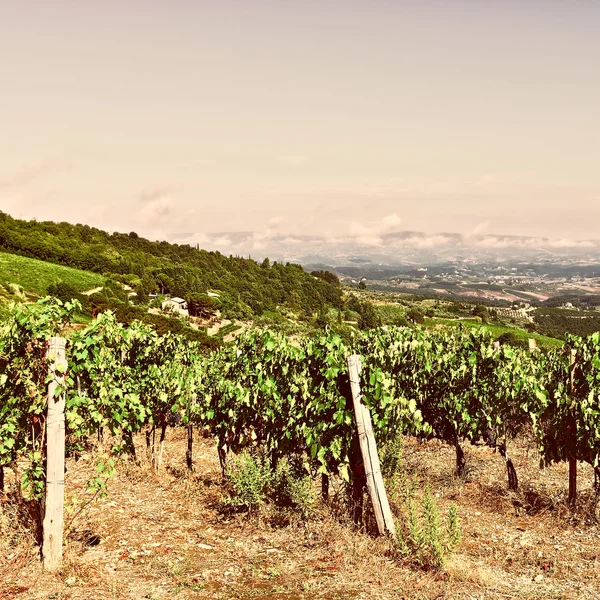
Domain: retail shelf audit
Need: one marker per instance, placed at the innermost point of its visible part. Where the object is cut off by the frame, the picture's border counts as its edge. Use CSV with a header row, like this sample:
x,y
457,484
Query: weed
x,y
391,458
422,538
294,489
254,482
250,479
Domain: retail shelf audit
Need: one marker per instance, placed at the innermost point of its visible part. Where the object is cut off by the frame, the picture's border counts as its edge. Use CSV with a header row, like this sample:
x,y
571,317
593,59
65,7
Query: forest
x,y
246,288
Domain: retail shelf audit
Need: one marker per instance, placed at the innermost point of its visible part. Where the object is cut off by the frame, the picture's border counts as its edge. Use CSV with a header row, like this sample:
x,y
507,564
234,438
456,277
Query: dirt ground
x,y
164,535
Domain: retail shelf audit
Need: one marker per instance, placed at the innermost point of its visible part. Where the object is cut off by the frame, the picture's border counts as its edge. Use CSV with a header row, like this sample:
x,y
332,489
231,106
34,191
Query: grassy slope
x,y
496,330
36,275
390,311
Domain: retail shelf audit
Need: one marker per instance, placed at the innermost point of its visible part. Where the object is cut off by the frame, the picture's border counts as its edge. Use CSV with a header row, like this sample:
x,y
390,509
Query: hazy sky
x,y
327,116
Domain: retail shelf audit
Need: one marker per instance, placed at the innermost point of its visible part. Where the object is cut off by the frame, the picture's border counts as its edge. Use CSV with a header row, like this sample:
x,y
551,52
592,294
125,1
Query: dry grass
x,y
165,536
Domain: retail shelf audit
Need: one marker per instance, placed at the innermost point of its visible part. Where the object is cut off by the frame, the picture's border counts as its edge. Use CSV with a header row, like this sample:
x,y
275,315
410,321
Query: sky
x,y
341,118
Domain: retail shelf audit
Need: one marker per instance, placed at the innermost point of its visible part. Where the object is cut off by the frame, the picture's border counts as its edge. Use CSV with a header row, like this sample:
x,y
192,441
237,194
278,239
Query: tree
x,y
326,276
65,292
368,317
481,311
415,316
201,305
362,285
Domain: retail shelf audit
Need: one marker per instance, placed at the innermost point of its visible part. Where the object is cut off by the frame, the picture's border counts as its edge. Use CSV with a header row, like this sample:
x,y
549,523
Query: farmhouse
x,y
176,305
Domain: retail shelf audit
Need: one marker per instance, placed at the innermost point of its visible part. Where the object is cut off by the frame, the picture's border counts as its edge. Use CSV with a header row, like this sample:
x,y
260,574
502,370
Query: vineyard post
x,y
368,448
55,458
572,430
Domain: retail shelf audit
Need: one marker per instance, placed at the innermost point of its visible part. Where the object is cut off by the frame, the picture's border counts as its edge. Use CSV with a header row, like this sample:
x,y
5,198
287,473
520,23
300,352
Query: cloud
x,y
380,237
372,234
390,223
478,230
499,242
260,240
157,203
571,244
275,222
423,241
31,173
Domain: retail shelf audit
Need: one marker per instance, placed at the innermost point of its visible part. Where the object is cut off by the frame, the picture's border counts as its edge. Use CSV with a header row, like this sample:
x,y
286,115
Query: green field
x,y
35,276
496,330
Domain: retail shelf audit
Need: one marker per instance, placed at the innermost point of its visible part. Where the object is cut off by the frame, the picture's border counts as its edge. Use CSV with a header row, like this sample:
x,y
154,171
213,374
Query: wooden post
x,y
368,448
572,429
55,458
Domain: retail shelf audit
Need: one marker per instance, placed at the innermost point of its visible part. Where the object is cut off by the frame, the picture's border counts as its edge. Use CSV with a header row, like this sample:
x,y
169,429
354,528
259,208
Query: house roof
x,y
177,300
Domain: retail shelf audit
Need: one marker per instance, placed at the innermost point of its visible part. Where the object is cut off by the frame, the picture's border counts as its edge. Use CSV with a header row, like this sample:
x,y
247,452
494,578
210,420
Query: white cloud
x,y
275,222
423,241
33,172
158,203
478,230
372,234
571,244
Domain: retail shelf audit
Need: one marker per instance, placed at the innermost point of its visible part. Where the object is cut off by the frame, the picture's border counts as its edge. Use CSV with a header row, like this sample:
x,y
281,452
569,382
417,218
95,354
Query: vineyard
x,y
290,398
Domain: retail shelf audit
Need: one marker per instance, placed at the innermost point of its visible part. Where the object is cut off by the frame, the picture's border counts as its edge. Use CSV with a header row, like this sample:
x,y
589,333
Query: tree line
x,y
246,288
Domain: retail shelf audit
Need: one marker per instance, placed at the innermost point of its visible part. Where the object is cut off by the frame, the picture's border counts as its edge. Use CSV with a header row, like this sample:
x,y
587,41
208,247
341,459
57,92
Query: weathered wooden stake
x,y
55,458
368,448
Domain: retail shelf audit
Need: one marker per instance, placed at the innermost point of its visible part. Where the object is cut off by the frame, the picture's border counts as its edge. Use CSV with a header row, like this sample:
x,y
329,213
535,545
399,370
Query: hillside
x,y
35,276
246,288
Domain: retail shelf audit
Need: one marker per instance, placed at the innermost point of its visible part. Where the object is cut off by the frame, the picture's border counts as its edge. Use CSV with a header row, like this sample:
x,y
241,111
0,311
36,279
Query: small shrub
x,y
294,489
391,458
255,482
394,473
415,316
250,479
422,537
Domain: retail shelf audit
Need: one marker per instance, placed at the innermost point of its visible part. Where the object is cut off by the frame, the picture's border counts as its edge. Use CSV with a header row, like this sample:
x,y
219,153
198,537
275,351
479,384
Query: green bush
x,y
391,459
254,482
294,489
422,537
250,479
415,316
512,339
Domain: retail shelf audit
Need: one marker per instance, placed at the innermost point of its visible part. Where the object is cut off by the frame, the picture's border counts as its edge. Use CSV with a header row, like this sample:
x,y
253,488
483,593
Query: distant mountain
x,y
414,248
